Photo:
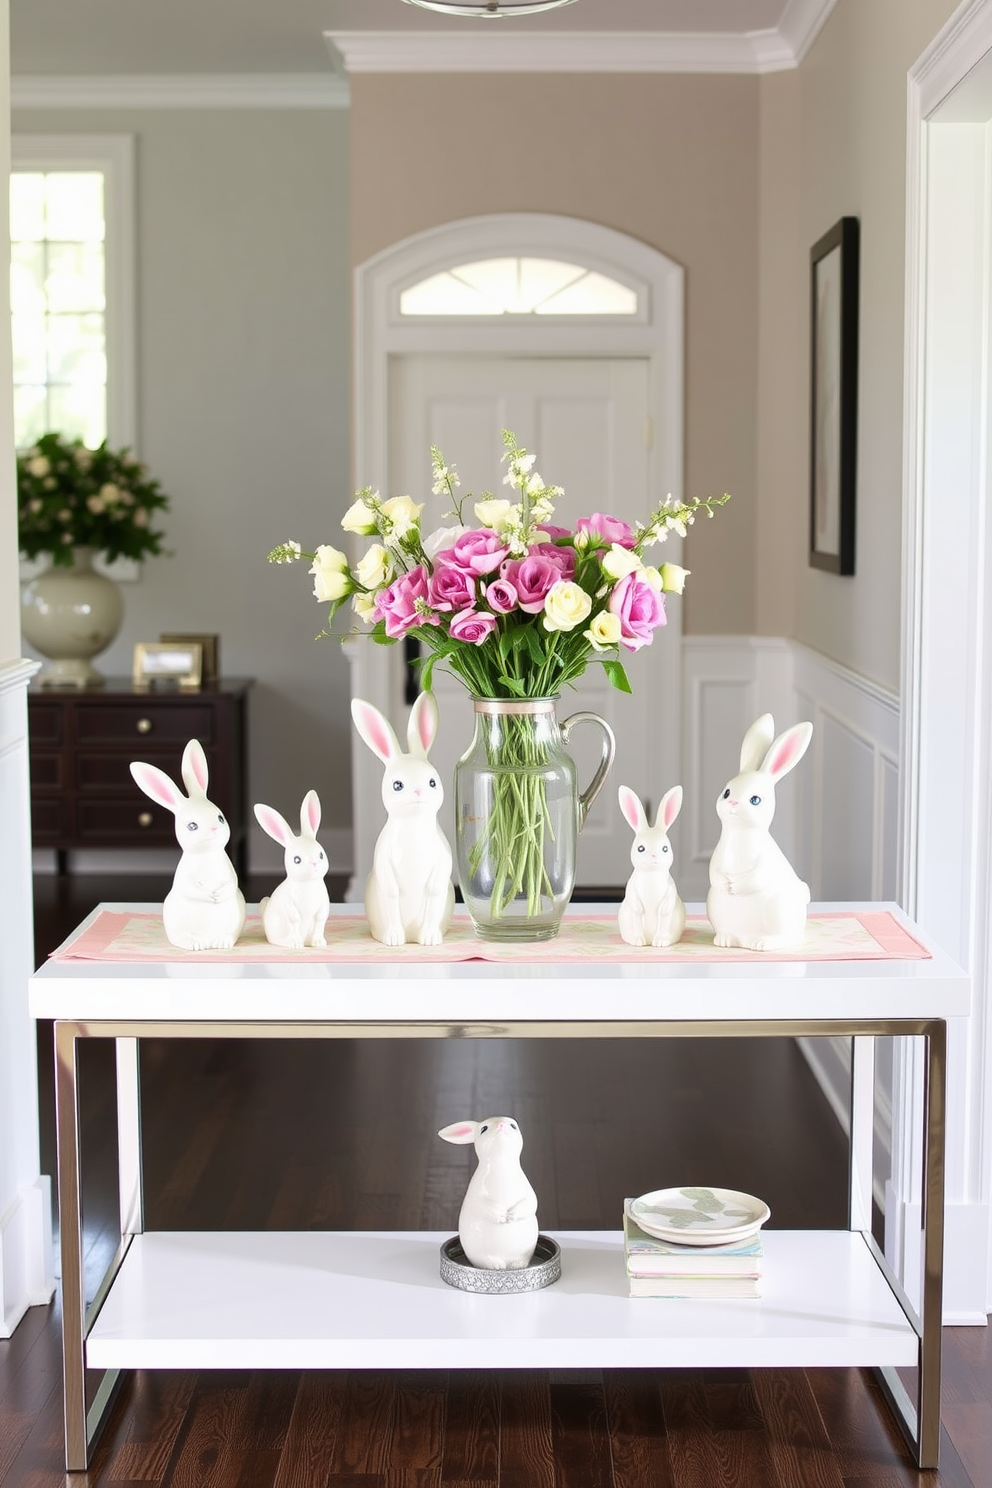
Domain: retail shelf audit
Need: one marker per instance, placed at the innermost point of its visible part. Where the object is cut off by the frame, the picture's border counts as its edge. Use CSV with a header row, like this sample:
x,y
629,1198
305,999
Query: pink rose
x,y
501,596
472,626
531,578
477,551
398,604
451,588
562,558
610,529
639,608
552,531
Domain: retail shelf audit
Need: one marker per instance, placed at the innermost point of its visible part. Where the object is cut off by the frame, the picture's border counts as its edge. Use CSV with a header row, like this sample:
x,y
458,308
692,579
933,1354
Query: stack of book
x,y
661,1268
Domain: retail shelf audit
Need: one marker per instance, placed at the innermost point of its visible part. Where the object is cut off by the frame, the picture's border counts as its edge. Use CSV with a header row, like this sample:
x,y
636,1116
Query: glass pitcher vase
x,y
518,814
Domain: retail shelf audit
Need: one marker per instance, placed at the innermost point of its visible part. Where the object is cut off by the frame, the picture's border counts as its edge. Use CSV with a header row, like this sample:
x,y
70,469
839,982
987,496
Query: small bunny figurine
x,y
756,898
497,1224
204,910
652,912
409,895
295,913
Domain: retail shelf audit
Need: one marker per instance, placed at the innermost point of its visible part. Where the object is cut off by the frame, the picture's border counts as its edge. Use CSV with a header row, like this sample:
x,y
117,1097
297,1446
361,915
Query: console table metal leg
x,y
934,1108
862,1132
71,1244
129,1136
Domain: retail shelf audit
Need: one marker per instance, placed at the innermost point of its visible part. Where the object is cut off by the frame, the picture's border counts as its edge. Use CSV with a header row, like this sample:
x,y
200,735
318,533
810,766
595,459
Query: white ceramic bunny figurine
x,y
409,895
295,913
204,910
756,899
497,1224
652,912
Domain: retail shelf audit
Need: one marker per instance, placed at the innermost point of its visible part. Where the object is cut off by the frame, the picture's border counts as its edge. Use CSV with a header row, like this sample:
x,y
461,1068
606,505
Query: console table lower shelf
x,y
375,1299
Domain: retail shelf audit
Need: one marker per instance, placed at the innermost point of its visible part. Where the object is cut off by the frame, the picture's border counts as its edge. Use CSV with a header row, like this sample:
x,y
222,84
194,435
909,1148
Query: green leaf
x,y
617,676
514,685
532,643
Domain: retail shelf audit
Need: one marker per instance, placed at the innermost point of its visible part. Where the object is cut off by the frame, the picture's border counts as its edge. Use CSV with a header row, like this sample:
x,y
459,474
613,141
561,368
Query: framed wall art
x,y
834,396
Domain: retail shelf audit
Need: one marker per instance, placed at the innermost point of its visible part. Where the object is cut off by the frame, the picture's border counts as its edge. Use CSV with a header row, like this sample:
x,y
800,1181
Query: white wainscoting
x,y
836,818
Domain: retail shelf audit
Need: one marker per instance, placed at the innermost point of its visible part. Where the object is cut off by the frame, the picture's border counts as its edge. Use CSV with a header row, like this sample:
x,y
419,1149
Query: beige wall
x,y
244,366
833,143
672,161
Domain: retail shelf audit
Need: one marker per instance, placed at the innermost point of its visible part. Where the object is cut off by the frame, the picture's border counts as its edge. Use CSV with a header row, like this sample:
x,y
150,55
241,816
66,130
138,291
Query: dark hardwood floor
x,y
315,1134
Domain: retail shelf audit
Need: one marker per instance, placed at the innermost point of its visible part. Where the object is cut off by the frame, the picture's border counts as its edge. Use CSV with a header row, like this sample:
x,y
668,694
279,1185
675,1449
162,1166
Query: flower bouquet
x,y
70,496
516,607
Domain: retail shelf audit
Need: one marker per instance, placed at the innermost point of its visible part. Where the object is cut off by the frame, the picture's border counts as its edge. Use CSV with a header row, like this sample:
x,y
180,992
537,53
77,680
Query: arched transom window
x,y
518,286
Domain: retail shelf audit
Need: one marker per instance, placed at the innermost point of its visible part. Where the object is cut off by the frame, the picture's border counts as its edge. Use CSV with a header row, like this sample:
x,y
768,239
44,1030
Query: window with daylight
x,y
518,286
69,289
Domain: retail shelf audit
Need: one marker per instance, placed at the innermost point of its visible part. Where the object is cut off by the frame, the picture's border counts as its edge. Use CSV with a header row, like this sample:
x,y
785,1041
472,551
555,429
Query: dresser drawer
x,y
132,722
50,819
45,723
47,770
107,770
113,821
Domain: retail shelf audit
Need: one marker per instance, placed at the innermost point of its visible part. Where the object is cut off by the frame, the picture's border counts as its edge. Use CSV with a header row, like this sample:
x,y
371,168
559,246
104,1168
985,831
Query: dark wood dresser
x,y
81,743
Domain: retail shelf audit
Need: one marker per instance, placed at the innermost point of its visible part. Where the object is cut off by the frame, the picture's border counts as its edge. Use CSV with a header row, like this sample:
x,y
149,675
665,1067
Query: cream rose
x,y
375,568
493,513
359,519
565,606
38,466
673,578
331,580
619,562
604,631
364,607
402,515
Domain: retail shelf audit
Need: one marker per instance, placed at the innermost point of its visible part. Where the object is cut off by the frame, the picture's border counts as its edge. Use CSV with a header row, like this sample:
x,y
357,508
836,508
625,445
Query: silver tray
x,y
544,1269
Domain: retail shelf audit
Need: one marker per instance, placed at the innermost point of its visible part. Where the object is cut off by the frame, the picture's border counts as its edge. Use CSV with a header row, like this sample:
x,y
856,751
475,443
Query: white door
x,y
587,421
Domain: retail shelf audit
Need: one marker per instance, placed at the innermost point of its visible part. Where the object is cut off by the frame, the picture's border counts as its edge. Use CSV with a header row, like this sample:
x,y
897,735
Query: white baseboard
x,y
27,1270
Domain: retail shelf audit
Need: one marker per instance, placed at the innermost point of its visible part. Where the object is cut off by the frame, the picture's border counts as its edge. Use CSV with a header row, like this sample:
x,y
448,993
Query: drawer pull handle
x,y
145,819
144,725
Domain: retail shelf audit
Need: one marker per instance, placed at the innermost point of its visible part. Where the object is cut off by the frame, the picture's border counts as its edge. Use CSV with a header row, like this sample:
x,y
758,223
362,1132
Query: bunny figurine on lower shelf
x,y
409,895
497,1224
756,899
295,913
652,912
204,910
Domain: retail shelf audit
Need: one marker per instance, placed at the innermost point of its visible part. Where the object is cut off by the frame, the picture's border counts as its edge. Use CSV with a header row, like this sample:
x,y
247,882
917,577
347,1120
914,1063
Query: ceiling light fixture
x,y
489,9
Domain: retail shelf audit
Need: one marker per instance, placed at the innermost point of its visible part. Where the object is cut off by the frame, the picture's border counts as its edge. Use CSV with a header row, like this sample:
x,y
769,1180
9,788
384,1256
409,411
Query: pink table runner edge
x,y
135,937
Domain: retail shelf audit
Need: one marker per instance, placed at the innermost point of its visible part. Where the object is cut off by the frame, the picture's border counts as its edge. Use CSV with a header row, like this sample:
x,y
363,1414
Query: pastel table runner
x,y
838,935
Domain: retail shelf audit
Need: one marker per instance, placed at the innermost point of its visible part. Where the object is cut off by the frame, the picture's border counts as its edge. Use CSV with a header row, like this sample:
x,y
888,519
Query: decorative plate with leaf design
x,y
699,1216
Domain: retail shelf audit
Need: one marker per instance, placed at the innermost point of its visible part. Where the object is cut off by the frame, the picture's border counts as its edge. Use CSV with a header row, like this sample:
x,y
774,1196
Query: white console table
x,y
343,1300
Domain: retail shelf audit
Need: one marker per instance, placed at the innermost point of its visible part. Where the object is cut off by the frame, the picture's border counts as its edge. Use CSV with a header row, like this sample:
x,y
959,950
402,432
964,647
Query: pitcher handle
x,y
587,797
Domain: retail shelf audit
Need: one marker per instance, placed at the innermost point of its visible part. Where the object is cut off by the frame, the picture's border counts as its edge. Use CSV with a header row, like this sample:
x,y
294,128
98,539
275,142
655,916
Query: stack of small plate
x,y
699,1216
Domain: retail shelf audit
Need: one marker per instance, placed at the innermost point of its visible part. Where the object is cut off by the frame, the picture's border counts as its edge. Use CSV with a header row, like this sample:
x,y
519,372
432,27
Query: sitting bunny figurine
x,y
409,895
652,912
295,913
497,1224
204,910
756,898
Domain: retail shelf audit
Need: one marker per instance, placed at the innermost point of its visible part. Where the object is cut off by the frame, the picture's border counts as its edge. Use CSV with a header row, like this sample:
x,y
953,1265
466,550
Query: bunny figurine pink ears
x,y
204,910
652,912
756,899
409,895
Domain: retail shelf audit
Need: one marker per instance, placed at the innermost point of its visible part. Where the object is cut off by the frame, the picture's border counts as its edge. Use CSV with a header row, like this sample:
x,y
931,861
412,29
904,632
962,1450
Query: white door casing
x,y
653,336
947,590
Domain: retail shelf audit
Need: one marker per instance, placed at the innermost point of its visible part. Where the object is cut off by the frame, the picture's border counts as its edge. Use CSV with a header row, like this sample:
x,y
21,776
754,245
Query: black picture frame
x,y
833,434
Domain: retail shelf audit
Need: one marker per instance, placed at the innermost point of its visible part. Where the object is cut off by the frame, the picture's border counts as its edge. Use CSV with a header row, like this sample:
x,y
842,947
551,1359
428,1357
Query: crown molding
x,y
469,50
291,90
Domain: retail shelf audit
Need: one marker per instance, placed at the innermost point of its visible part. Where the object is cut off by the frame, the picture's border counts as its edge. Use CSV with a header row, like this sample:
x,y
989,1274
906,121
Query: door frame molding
x,y
655,333
946,837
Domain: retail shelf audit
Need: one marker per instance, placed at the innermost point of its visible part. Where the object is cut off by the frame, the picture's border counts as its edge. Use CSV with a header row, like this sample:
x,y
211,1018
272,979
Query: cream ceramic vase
x,y
70,615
